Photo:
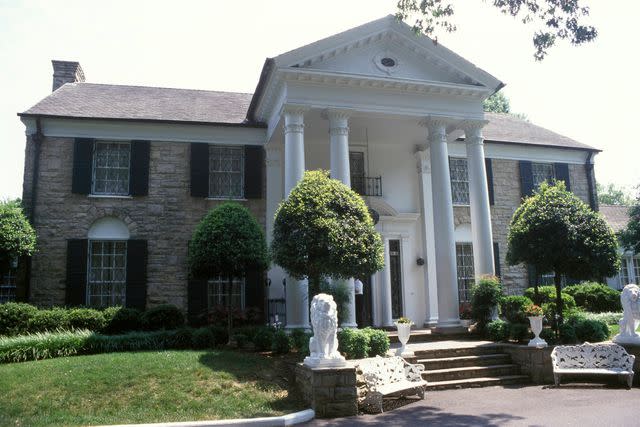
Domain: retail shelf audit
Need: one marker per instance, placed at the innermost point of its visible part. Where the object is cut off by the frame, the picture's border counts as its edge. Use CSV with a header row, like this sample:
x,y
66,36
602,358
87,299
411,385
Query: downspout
x,y
593,200
37,142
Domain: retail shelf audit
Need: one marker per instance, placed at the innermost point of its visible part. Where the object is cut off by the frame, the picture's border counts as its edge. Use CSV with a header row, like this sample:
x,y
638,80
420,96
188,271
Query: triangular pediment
x,y
387,48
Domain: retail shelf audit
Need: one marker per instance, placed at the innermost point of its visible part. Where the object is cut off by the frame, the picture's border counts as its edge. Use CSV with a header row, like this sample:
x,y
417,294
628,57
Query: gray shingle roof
x,y
616,216
103,101
511,129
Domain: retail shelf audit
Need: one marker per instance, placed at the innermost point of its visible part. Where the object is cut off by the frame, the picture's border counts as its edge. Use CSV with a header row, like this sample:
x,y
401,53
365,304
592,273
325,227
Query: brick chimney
x,y
66,72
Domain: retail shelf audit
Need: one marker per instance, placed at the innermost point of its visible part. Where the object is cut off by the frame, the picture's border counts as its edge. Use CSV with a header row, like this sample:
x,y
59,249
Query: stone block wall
x,y
331,392
534,362
166,218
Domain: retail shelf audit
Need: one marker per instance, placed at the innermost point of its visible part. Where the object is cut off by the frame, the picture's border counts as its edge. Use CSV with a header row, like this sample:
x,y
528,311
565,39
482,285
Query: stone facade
x,y
166,218
331,392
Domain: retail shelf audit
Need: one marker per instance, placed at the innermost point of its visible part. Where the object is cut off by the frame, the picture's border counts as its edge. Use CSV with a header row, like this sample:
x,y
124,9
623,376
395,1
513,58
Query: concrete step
x,y
463,361
442,353
470,372
426,335
478,382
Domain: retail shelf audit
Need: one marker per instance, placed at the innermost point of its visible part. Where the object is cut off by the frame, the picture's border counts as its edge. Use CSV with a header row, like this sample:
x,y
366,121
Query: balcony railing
x,y
367,186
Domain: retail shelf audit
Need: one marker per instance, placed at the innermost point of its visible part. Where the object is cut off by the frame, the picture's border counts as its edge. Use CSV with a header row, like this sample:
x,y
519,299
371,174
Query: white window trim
x,y
241,197
93,171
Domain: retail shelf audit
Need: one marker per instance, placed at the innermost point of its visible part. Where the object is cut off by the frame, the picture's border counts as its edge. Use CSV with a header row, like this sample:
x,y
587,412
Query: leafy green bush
x,y
519,331
281,342
203,338
498,330
165,316
551,312
595,297
241,340
608,318
15,317
545,294
578,328
55,319
300,340
263,339
86,318
43,345
220,335
485,295
512,308
549,336
378,342
121,319
133,341
341,296
17,236
183,339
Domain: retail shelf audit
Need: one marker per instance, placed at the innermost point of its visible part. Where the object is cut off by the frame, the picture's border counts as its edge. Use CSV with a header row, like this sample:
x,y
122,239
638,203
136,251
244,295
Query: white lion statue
x,y
630,299
323,345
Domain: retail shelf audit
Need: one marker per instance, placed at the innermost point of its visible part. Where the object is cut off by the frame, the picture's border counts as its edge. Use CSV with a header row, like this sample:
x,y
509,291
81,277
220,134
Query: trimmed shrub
x,y
519,331
512,308
498,330
595,297
121,319
14,318
183,339
241,340
165,316
55,319
549,336
485,295
44,345
220,335
281,342
263,339
545,294
300,340
203,338
608,318
578,328
378,342
550,310
86,318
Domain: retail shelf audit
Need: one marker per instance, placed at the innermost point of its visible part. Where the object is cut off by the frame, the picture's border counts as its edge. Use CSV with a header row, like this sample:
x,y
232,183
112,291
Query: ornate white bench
x,y
378,377
607,359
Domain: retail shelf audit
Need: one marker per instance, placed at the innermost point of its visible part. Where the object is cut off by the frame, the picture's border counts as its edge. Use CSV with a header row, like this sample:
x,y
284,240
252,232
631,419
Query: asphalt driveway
x,y
569,405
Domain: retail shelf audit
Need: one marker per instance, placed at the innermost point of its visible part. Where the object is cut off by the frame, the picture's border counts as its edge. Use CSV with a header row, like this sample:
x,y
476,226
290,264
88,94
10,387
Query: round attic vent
x,y
388,62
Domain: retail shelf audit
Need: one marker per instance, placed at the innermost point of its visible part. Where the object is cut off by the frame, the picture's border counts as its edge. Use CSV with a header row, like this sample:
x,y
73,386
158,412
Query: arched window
x,y
107,263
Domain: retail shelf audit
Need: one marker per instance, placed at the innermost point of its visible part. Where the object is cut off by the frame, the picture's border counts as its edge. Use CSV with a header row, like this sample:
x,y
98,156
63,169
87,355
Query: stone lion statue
x,y
630,299
323,345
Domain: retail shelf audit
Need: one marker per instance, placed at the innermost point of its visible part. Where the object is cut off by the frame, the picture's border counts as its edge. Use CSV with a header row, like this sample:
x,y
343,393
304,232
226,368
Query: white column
x,y
274,197
387,319
339,155
445,249
428,239
482,235
297,293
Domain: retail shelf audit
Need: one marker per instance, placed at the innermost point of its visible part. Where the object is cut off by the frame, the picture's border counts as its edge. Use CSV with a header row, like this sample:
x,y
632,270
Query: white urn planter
x,y
404,333
536,328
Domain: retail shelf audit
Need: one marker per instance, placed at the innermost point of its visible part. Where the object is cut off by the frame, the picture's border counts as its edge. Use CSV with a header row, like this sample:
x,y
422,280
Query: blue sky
x,y
588,93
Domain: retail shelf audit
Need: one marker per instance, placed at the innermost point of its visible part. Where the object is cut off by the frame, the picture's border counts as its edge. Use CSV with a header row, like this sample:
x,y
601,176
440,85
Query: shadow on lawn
x,y
271,374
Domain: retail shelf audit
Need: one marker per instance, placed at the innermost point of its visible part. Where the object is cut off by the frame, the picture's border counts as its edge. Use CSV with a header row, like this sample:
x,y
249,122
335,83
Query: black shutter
x,y
82,165
532,276
197,296
561,171
254,289
139,168
76,292
136,293
489,168
199,170
526,178
253,161
496,258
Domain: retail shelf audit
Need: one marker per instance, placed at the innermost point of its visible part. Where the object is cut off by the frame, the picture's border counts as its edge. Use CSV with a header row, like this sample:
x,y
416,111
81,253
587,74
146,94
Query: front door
x,y
364,315
356,168
395,267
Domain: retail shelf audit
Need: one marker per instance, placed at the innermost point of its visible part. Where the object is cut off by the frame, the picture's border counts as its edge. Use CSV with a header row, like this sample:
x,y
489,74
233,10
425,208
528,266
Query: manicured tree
x,y
324,229
555,231
227,242
17,237
631,235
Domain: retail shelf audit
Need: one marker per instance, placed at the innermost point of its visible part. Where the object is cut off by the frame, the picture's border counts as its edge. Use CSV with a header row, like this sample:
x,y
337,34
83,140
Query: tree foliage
x,y
555,19
17,236
611,194
497,103
555,231
631,235
324,229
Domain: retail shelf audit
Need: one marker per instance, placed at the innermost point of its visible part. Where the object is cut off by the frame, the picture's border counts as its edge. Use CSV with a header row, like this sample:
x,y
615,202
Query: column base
x,y
430,323
349,325
307,328
450,327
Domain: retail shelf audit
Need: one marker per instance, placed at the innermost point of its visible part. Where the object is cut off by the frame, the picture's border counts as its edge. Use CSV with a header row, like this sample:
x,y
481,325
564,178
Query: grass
x,y
613,330
145,387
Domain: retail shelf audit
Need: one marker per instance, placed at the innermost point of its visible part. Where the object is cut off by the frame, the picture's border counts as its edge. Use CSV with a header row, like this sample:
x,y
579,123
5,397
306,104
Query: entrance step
x,y
478,382
464,361
457,351
427,335
467,372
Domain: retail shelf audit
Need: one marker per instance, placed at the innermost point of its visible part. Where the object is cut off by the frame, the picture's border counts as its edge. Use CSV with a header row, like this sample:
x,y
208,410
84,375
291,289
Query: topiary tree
x,y
555,231
17,237
227,242
324,229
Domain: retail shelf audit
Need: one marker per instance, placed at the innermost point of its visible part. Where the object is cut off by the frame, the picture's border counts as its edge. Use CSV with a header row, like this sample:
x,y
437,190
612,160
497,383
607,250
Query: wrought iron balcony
x,y
367,186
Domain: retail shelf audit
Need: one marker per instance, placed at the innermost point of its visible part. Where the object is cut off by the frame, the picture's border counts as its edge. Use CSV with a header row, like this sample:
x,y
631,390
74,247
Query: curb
x,y
283,420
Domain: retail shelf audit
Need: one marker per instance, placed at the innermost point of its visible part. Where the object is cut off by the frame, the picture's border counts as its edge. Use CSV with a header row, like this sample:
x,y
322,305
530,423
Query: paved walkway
x,y
588,405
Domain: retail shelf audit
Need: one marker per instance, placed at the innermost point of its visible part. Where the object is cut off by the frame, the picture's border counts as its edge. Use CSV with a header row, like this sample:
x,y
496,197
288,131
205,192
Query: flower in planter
x,y
404,320
533,310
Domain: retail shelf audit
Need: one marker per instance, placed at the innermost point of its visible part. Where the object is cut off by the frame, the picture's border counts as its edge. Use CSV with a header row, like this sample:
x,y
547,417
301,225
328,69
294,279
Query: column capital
x,y
473,129
336,114
294,109
436,122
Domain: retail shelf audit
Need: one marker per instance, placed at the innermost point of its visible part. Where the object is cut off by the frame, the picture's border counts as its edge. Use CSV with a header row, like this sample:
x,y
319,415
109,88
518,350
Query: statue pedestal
x,y
627,339
325,362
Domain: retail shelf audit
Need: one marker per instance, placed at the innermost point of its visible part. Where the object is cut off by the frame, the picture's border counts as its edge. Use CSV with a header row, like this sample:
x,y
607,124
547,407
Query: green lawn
x,y
144,387
614,330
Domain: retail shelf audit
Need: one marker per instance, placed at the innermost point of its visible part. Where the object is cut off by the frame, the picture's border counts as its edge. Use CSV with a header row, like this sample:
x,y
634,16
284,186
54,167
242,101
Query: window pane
x,y
459,181
111,168
107,276
217,292
8,286
226,172
542,172
465,272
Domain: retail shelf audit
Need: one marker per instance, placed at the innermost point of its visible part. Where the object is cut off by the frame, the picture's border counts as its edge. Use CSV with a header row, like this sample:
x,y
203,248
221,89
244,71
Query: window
x,y
459,181
226,172
464,264
624,272
107,273
542,172
217,292
636,269
111,162
357,172
8,286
